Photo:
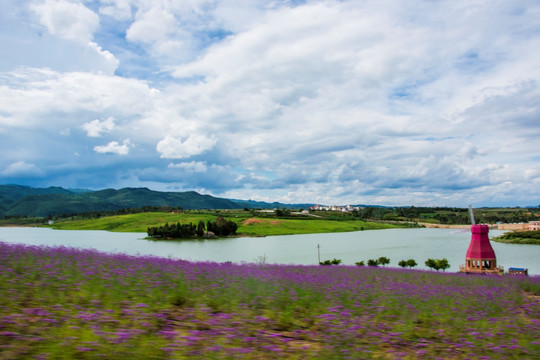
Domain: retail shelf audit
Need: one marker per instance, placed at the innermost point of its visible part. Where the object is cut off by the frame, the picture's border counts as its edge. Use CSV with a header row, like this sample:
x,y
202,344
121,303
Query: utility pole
x,y
319,252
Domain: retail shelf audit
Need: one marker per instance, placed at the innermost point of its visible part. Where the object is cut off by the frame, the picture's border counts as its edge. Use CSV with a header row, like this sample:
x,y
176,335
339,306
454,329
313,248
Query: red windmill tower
x,y
480,257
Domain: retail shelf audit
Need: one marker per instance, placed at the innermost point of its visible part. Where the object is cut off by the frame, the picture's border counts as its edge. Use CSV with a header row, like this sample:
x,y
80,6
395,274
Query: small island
x,y
531,237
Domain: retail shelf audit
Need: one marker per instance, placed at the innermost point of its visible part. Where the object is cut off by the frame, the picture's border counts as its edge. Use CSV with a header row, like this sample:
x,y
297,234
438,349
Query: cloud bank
x,y
423,103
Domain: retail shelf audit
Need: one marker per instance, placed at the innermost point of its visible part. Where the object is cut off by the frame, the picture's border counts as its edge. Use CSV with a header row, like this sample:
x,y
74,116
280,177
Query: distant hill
x,y
252,204
19,200
16,192
29,201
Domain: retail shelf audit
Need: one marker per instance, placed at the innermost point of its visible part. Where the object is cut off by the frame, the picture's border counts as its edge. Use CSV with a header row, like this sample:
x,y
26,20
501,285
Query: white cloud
x,y
192,166
108,59
22,168
174,148
74,25
67,19
114,148
28,95
96,127
321,101
151,26
119,9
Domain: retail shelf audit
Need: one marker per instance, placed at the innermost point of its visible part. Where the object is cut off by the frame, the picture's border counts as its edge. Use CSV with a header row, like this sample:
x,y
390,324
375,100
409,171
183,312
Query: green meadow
x,y
248,224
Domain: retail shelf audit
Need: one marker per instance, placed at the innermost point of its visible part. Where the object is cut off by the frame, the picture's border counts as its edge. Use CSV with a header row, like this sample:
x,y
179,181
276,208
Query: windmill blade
x,y
459,231
471,214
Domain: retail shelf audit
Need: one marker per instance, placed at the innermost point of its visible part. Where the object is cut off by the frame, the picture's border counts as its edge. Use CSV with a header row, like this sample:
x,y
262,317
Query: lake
x,y
396,244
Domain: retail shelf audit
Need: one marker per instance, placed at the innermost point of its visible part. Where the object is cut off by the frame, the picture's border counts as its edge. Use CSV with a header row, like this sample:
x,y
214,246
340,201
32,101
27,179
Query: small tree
x,y
360,263
411,263
443,264
438,264
432,264
201,228
383,260
331,262
403,263
372,262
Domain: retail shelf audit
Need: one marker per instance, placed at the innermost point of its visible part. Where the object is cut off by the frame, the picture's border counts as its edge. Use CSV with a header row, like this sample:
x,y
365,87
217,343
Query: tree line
x,y
218,227
448,215
435,264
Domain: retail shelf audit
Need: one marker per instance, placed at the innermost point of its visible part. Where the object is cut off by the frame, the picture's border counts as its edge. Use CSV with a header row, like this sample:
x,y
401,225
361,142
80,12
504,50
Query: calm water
x,y
396,244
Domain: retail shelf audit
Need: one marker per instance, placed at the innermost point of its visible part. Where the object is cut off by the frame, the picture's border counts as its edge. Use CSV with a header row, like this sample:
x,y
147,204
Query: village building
x,y
534,225
347,208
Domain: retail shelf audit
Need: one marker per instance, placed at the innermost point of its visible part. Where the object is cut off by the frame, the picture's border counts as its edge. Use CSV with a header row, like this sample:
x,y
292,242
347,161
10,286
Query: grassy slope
x,y
304,226
259,227
130,222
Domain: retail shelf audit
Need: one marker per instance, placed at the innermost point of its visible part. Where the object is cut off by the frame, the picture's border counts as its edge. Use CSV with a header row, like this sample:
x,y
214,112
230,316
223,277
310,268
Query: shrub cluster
x,y
521,237
407,263
383,260
222,227
219,227
175,231
438,264
331,262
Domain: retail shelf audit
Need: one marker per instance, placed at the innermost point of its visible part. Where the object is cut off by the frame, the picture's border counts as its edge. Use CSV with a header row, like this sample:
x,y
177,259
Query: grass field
x,y
132,222
64,303
247,223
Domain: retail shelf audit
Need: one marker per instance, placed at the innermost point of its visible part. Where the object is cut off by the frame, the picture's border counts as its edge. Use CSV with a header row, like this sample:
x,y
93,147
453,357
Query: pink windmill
x,y
480,257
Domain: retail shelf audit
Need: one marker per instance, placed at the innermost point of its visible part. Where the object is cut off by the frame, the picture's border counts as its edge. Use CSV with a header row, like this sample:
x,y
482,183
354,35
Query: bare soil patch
x,y
251,221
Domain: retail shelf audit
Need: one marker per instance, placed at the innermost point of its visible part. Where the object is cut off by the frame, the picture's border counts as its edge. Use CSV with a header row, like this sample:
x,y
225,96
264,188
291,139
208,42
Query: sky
x,y
417,102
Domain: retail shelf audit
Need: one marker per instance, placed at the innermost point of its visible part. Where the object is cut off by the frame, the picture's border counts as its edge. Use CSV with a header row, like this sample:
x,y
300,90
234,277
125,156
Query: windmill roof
x,y
480,247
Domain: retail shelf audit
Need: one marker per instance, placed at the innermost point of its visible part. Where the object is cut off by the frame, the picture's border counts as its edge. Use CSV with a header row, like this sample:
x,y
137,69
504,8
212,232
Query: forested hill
x,y
17,200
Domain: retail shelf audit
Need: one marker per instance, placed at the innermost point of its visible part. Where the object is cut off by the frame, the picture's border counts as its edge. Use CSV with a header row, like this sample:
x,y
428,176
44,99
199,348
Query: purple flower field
x,y
66,303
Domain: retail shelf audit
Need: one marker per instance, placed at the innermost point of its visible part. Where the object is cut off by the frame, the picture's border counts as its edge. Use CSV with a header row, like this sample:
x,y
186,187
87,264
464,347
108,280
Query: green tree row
x,y
447,215
219,227
437,264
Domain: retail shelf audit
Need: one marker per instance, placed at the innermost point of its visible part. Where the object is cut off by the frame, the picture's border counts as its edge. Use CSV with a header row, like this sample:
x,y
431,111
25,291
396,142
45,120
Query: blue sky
x,y
427,103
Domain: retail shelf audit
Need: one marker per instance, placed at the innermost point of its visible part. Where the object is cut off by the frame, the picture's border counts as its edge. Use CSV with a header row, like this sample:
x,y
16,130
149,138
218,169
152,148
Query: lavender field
x,y
65,303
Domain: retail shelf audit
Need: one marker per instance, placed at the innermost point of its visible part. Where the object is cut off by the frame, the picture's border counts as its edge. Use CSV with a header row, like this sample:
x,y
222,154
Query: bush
x,y
372,262
410,263
331,262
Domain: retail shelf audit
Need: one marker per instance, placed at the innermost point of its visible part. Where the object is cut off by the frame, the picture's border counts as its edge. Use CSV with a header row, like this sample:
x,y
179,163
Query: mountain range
x,y
19,200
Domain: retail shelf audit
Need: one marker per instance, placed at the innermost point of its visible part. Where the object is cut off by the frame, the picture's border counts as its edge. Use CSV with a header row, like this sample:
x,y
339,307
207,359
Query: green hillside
x,y
18,200
13,193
